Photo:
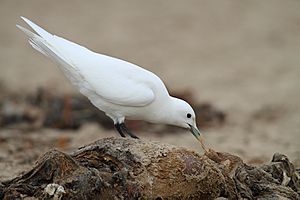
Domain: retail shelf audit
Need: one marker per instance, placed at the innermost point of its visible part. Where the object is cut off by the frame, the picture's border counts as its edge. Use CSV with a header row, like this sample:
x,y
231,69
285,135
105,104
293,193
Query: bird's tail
x,y
56,48
42,41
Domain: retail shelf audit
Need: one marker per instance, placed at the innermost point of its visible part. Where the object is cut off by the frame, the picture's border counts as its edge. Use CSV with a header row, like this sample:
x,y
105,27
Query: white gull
x,y
119,88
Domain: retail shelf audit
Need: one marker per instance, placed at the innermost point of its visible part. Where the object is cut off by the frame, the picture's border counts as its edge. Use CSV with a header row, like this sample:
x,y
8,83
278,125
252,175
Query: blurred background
x,y
239,60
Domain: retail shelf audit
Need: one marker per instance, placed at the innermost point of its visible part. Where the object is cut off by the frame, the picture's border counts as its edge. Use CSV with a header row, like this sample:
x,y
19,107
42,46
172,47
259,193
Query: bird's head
x,y
183,115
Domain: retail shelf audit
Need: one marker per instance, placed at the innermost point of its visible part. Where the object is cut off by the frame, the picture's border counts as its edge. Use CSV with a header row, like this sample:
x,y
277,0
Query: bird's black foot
x,y
118,127
122,129
126,130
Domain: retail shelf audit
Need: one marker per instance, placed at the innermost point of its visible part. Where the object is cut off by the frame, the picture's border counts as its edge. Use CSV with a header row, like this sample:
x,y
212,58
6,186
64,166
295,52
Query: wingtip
x,y
25,19
27,32
19,27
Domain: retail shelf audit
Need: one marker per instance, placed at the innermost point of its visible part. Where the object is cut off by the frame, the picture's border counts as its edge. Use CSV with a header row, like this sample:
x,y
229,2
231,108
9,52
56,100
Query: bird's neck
x,y
166,113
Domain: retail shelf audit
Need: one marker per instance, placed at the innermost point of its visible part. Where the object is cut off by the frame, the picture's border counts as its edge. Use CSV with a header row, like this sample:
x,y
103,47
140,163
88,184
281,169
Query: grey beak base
x,y
194,131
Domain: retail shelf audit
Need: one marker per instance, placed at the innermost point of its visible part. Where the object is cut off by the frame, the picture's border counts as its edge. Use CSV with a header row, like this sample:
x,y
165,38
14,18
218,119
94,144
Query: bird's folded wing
x,y
121,90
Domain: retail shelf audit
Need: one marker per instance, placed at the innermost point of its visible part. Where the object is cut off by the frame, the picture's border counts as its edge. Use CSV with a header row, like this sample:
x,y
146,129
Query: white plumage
x,y
118,88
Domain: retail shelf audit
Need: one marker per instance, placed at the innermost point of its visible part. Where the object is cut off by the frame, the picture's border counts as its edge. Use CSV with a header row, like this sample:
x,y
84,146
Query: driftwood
x,y
118,168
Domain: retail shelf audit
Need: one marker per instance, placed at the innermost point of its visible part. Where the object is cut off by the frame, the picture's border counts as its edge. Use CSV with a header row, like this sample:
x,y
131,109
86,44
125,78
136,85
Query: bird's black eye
x,y
188,115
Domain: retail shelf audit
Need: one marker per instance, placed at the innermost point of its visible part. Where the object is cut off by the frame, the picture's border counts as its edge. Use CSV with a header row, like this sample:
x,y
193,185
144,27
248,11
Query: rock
x,y
121,168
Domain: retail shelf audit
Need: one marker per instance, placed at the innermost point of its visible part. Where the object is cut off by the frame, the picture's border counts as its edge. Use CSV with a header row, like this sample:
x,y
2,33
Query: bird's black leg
x,y
126,130
118,127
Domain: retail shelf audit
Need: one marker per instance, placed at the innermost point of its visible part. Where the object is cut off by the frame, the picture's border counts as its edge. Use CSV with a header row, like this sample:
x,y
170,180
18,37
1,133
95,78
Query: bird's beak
x,y
195,131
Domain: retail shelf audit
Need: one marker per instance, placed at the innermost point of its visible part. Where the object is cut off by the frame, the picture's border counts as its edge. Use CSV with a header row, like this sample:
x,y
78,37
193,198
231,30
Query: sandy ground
x,y
242,56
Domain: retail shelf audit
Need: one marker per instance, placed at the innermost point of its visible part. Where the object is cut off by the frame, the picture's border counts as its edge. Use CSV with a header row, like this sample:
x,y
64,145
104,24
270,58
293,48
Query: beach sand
x,y
241,56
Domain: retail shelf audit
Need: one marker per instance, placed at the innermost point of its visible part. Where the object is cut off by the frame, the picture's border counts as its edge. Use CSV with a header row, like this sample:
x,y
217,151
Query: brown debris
x,y
44,109
268,113
120,168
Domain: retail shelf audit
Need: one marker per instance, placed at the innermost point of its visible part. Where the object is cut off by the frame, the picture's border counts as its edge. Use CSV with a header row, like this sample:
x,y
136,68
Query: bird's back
x,y
96,75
